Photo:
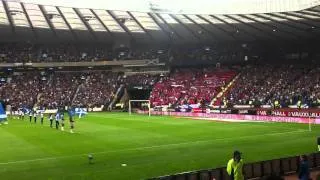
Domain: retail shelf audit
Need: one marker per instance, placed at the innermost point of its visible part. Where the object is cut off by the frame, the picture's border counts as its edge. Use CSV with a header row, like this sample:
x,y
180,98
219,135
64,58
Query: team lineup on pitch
x,y
139,147
56,120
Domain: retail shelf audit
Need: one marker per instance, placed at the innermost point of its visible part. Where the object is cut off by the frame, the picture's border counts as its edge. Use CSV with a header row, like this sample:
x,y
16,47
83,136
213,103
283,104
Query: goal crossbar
x,y
148,101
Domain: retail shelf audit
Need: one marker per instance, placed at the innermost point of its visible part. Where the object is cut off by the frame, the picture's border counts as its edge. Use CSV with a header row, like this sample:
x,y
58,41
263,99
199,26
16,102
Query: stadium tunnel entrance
x,y
133,93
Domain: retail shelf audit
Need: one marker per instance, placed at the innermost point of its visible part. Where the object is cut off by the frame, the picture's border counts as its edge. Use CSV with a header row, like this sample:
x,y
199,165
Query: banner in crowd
x,y
95,109
81,111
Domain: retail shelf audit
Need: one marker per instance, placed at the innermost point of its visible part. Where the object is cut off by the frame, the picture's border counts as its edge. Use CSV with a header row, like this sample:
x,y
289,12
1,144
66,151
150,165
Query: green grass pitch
x,y
150,146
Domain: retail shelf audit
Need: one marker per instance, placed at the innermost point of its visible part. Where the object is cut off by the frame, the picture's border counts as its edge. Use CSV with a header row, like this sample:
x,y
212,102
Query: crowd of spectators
x,y
26,52
16,53
189,86
59,89
286,85
207,54
141,80
71,53
22,90
97,89
256,85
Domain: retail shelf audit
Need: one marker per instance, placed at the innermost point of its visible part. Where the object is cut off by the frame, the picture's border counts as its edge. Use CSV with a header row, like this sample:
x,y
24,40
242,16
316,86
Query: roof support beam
x,y
308,18
48,20
299,16
266,24
5,5
260,29
235,27
120,23
185,26
85,23
140,25
310,27
293,20
98,18
203,28
303,13
308,12
270,35
168,24
277,28
314,10
159,24
217,27
29,21
65,20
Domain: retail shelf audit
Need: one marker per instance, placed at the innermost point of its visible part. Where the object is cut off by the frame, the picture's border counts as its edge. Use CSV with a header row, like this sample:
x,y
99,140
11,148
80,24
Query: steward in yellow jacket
x,y
235,167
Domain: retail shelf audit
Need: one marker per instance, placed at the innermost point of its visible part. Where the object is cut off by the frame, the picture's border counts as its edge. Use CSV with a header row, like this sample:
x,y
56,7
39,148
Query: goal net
x,y
141,104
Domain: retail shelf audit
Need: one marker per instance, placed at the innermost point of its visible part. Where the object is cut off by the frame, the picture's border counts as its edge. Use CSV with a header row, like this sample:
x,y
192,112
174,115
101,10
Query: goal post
x,y
145,101
311,122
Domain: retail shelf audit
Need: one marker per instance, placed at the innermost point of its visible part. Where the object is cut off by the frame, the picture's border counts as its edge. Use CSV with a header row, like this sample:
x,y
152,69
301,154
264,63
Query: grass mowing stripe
x,y
151,147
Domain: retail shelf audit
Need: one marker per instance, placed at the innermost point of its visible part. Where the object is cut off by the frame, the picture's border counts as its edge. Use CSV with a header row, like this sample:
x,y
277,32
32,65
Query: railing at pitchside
x,y
256,170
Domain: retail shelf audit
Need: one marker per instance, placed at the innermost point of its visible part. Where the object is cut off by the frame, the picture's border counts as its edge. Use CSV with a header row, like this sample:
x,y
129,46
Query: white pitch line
x,y
150,147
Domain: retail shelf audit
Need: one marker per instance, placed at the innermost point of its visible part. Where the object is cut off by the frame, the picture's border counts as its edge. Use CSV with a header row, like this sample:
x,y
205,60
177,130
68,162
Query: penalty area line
x,y
151,147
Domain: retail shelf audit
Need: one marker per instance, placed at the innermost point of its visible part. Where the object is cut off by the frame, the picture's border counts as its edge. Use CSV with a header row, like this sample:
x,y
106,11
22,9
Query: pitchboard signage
x,y
290,113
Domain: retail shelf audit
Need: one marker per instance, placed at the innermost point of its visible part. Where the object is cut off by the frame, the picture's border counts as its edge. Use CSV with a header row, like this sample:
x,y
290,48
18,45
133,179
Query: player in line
x,y
62,121
71,124
60,118
21,114
51,119
71,113
57,118
35,116
30,116
41,118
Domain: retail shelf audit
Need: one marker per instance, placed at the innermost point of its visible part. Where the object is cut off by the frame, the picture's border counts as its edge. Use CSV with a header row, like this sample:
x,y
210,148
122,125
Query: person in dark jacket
x,y
303,168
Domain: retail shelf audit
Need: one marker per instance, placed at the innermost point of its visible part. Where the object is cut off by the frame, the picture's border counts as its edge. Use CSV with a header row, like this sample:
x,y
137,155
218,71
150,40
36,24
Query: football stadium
x,y
159,90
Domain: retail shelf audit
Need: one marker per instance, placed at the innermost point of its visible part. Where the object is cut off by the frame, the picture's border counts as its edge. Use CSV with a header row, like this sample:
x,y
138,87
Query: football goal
x,y
142,103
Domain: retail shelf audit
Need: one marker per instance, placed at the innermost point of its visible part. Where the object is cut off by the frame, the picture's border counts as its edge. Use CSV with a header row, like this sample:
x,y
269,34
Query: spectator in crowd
x,y
303,168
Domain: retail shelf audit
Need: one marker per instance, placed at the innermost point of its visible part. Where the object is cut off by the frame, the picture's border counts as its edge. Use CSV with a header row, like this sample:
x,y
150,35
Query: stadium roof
x,y
25,21
189,6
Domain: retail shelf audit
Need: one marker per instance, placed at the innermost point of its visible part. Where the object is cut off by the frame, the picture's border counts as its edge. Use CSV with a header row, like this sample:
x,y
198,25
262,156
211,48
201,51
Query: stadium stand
x,y
53,56
59,89
141,80
96,90
189,86
22,90
27,52
255,86
287,84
